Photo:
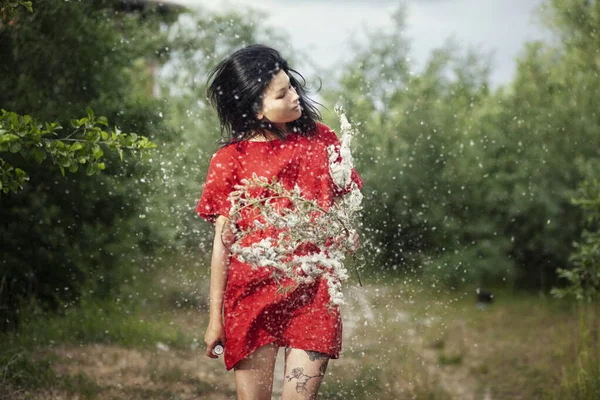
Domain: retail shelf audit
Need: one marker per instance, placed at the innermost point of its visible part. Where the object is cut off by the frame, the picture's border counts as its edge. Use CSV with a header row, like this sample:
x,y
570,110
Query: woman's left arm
x,y
219,268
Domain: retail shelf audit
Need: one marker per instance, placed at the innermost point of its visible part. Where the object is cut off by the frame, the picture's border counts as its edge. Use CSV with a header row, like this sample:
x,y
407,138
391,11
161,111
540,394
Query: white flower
x,y
340,171
341,162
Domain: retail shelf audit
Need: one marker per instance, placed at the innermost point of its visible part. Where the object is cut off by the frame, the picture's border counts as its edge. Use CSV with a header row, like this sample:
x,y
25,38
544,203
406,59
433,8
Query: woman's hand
x,y
214,333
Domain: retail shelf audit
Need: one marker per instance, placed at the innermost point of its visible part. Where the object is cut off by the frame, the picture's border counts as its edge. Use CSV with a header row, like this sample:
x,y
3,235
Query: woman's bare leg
x,y
254,374
304,372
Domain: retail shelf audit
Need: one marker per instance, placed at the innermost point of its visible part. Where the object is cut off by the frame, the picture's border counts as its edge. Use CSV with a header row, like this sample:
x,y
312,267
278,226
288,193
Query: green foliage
x,y
581,378
24,135
550,119
10,8
122,323
421,159
468,184
62,235
583,279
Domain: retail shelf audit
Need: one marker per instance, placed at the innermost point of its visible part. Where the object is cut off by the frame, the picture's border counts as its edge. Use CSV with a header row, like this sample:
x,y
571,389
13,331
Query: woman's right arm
x,y
219,267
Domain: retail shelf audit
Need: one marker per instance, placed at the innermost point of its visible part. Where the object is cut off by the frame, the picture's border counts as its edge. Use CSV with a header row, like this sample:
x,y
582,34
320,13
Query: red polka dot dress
x,y
256,313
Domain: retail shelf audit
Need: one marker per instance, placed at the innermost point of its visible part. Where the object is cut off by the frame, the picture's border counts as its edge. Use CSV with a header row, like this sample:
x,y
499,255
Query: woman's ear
x,y
259,116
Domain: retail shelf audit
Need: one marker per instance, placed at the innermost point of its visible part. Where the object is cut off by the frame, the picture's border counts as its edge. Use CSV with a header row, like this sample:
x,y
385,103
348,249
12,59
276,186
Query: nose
x,y
295,97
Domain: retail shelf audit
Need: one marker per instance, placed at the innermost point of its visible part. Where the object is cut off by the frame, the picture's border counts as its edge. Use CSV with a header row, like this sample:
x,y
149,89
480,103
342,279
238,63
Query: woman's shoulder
x,y
322,128
326,134
226,154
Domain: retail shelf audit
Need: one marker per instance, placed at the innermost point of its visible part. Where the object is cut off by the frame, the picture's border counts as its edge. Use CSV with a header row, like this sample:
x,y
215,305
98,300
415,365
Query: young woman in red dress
x,y
271,129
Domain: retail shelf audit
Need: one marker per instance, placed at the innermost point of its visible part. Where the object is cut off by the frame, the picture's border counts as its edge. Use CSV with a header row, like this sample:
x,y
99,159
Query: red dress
x,y
256,314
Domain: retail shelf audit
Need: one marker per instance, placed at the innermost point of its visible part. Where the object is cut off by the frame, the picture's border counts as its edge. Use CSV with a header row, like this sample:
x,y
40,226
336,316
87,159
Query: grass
x,y
522,346
23,375
434,344
420,343
528,343
137,323
161,311
581,379
95,321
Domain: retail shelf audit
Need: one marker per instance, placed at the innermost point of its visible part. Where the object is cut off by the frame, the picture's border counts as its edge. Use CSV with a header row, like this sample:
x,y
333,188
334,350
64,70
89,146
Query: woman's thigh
x,y
254,374
304,372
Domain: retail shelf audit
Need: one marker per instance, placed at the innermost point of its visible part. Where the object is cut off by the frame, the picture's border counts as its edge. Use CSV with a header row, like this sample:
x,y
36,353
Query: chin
x,y
294,118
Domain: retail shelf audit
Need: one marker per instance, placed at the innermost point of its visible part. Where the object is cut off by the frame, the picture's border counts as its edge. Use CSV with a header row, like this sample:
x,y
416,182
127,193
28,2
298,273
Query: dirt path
x,y
454,381
163,373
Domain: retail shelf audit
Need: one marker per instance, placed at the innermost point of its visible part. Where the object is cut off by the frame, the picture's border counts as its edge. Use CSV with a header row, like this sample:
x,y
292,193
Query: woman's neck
x,y
265,136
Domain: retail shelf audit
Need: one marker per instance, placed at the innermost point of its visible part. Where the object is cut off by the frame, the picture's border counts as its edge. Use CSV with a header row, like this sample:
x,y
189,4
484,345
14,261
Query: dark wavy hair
x,y
236,86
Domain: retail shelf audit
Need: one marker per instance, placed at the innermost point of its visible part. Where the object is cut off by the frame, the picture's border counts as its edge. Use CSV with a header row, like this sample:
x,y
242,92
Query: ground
x,y
398,343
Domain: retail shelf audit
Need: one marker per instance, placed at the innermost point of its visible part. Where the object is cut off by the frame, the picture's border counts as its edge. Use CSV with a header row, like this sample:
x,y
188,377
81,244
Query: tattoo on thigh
x,y
298,373
323,367
315,355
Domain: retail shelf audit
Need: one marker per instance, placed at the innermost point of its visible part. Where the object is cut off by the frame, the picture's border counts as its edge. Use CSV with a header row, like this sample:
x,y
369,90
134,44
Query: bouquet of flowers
x,y
296,222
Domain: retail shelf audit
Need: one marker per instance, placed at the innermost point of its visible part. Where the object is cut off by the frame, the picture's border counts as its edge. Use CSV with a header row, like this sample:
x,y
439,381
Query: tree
x,y
421,159
23,135
547,120
64,235
583,279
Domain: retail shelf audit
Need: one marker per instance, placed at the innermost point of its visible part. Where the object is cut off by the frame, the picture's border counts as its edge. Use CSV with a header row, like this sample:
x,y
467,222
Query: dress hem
x,y
253,349
333,356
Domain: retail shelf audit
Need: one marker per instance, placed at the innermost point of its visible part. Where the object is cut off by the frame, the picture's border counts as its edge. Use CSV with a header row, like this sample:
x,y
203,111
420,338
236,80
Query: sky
x,y
323,28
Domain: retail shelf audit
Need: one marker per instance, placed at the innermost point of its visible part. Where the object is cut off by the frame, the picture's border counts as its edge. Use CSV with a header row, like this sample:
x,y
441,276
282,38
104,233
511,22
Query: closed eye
x,y
282,95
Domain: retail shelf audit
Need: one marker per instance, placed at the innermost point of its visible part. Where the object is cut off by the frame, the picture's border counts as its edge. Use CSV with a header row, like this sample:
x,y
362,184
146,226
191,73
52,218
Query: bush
x,y
62,235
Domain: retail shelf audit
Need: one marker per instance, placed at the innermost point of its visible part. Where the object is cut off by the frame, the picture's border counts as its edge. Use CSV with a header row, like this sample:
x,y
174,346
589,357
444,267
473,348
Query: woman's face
x,y
280,102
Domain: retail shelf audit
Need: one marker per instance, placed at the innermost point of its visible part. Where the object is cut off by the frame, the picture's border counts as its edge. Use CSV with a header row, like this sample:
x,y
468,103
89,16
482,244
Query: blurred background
x,y
479,146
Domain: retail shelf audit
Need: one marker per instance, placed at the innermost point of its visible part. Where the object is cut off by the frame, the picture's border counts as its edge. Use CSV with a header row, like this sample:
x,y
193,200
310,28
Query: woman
x,y
271,129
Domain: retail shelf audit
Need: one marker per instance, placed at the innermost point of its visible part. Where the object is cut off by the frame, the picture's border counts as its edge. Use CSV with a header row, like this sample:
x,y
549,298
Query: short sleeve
x,y
220,182
331,138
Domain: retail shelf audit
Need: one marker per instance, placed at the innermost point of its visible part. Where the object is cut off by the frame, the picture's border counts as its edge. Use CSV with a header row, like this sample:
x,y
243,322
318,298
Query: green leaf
x,y
102,121
9,137
38,154
90,170
104,135
90,112
28,5
76,146
21,174
94,134
97,152
14,147
149,145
